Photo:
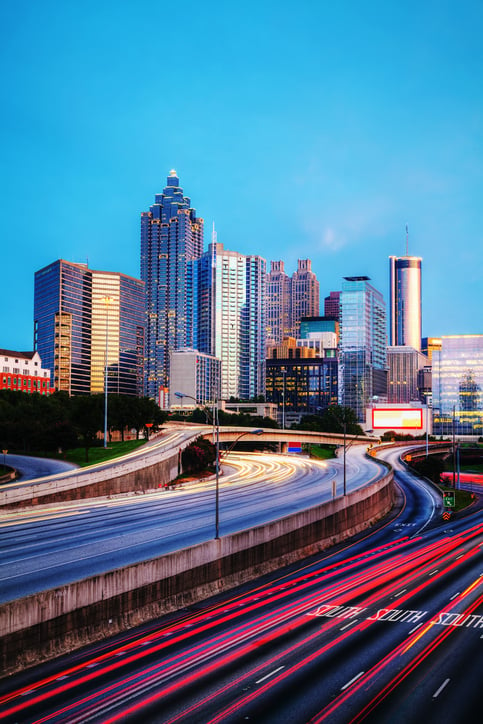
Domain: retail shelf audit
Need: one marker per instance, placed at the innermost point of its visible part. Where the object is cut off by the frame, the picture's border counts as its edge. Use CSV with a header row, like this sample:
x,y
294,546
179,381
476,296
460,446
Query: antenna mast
x,y
407,241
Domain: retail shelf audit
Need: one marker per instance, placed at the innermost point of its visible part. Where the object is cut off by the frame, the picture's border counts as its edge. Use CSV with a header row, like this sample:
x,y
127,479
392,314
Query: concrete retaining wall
x,y
56,621
140,474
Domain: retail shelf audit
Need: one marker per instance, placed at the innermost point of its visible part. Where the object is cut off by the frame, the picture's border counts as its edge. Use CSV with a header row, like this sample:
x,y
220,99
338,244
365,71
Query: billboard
x,y
397,418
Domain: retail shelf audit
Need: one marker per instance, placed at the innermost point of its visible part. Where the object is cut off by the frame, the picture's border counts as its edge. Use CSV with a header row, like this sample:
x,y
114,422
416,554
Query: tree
x,y
332,419
88,415
198,455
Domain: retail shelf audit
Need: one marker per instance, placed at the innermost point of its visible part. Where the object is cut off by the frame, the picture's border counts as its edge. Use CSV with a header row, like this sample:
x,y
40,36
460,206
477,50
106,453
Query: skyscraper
x,y
171,238
362,362
279,303
79,315
331,305
305,294
405,301
458,385
232,301
404,364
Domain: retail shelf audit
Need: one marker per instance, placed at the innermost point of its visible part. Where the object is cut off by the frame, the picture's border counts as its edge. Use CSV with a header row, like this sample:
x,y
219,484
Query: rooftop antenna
x,y
407,241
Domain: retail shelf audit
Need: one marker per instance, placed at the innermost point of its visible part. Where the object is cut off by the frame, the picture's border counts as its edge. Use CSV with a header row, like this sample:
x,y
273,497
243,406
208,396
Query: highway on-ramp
x,y
49,546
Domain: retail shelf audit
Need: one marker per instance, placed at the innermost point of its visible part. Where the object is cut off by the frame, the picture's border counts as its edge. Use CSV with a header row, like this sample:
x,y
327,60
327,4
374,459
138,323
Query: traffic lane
x,y
77,547
32,467
337,558
339,624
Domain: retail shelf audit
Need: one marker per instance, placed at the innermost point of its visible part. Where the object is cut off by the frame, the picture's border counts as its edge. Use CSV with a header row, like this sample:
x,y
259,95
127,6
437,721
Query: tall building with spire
x,y
230,289
171,238
405,328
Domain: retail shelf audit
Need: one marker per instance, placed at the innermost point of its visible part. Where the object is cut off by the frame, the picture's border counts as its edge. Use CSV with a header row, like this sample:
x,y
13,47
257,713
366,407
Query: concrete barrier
x,y
47,624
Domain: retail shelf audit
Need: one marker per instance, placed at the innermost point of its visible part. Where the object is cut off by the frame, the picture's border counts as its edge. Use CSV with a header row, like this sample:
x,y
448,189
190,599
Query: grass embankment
x,y
463,498
322,452
99,454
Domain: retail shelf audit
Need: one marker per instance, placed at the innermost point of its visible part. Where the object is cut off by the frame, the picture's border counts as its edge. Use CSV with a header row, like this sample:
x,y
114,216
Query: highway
x,y
49,546
387,627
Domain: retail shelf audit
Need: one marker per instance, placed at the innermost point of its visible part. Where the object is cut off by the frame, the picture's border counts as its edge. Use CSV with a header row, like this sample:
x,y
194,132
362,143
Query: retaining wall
x,y
139,474
53,622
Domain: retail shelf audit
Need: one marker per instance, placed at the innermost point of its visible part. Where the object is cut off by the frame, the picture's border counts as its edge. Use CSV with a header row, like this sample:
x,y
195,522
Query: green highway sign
x,y
449,498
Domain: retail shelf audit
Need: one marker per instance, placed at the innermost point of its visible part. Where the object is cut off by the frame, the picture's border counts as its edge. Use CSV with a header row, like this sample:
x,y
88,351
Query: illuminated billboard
x,y
397,418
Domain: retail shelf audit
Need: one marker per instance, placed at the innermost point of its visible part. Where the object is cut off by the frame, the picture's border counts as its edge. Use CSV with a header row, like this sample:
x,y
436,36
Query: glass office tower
x,y
405,301
457,375
362,345
171,238
80,315
230,289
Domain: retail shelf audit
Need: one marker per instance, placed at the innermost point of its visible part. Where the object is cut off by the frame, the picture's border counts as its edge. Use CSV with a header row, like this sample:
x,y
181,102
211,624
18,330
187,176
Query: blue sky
x,y
304,130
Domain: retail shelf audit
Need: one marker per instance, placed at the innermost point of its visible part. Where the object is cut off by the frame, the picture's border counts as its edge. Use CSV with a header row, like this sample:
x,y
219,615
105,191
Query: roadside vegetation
x,y
52,426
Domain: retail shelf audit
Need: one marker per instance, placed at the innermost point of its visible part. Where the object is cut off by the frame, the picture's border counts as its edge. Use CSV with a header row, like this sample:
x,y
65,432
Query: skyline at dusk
x,y
315,134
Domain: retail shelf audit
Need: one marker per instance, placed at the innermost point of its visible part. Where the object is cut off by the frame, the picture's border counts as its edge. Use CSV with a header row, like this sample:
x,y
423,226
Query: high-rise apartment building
x,y
305,294
85,319
231,318
279,303
405,301
457,375
362,361
171,238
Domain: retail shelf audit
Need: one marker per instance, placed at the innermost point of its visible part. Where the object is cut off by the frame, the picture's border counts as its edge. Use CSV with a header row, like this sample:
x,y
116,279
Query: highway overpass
x,y
154,465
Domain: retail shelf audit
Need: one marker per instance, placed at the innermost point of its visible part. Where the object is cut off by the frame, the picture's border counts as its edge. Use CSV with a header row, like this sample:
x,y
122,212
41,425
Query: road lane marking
x,y
433,572
438,691
415,628
348,624
357,676
267,676
456,594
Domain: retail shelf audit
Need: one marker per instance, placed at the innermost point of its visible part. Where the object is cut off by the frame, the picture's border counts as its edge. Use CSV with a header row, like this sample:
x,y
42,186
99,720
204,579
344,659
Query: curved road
x,y
385,628
31,468
50,546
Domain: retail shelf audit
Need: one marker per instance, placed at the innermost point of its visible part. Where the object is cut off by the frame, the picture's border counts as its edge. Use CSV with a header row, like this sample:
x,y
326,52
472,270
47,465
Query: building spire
x,y
407,241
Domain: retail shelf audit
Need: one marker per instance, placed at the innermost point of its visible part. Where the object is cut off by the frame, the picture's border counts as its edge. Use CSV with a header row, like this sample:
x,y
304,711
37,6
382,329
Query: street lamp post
x,y
345,449
216,436
107,301
284,374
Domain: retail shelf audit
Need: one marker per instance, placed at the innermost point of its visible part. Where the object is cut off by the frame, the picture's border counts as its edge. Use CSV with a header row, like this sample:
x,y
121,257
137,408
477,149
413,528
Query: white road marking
x,y
267,676
357,676
348,624
456,594
438,691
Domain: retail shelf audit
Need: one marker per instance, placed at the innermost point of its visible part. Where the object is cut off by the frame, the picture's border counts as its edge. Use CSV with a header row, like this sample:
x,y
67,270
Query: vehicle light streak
x,y
315,588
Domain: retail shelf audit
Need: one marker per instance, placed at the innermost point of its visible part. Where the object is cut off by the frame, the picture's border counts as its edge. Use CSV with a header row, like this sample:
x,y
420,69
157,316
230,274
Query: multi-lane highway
x,y
49,546
385,628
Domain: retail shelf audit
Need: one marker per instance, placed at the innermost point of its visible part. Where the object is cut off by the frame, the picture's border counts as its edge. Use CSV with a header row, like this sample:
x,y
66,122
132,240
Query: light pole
x,y
284,373
107,301
216,429
345,448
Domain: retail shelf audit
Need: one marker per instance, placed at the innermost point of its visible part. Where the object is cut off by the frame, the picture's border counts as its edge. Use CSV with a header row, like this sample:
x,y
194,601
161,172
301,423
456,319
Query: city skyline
x,y
346,124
